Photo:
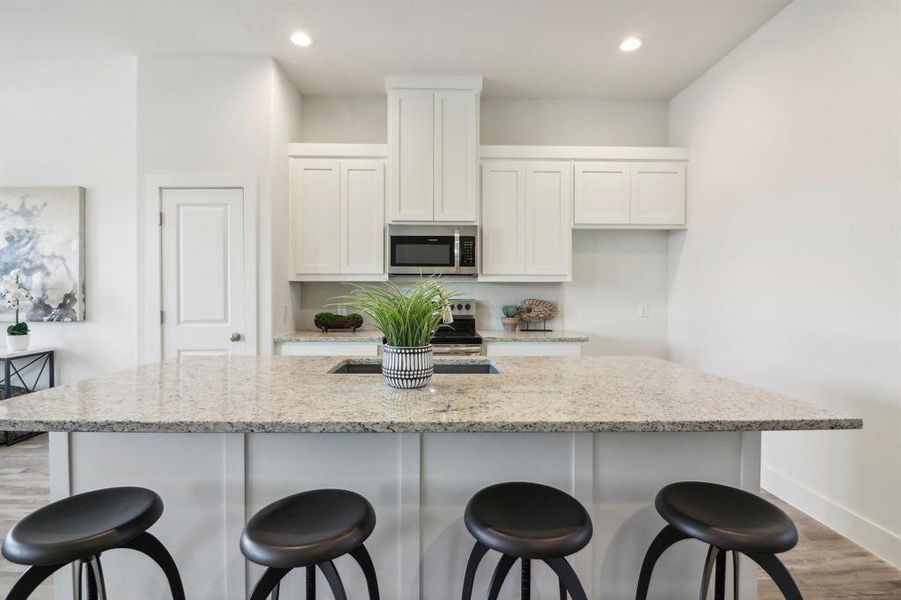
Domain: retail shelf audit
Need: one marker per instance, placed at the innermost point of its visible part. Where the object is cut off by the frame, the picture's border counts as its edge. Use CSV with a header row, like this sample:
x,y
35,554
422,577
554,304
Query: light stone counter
x,y
298,394
332,337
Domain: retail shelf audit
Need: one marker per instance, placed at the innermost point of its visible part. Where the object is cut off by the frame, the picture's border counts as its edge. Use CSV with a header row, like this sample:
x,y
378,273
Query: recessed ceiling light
x,y
302,39
630,43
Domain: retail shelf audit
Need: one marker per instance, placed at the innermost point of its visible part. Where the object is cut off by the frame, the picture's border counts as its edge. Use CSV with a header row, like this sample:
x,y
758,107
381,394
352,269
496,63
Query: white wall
x,y
613,271
226,114
285,128
573,122
69,119
790,276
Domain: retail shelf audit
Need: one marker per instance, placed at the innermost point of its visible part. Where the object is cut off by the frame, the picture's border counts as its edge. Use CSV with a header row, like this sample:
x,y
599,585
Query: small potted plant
x,y
17,337
511,317
408,320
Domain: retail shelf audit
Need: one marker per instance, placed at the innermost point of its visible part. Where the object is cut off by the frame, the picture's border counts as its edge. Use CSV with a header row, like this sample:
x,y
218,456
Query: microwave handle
x,y
456,250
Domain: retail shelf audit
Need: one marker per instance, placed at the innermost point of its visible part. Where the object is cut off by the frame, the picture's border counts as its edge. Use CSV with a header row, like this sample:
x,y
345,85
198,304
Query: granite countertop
x,y
298,394
360,337
533,336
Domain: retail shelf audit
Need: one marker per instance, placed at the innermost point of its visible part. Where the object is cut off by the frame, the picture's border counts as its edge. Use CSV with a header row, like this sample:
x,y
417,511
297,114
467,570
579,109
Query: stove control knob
x,y
468,307
459,307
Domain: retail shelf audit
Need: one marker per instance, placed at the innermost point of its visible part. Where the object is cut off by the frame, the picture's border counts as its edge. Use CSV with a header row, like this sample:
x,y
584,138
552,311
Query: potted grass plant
x,y
17,334
408,319
511,317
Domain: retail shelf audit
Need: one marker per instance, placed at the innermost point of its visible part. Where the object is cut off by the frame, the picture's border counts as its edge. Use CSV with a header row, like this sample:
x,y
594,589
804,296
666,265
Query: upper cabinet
x,y
337,218
638,194
433,149
526,230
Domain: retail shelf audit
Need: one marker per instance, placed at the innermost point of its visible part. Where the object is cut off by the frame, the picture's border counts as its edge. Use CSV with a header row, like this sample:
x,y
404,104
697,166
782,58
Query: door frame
x,y
150,334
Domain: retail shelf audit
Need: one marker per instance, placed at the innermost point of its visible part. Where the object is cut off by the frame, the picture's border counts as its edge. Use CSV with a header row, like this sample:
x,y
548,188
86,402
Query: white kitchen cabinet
x,y
658,193
315,216
433,150
526,226
327,349
503,218
630,194
500,348
337,219
601,192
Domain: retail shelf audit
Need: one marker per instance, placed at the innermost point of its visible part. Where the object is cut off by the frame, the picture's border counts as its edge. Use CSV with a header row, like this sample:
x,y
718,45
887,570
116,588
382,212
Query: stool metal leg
x,y
475,557
719,586
361,555
668,536
334,580
562,589
569,578
500,574
97,573
778,573
276,591
148,545
79,579
311,582
267,583
709,563
736,572
526,579
29,582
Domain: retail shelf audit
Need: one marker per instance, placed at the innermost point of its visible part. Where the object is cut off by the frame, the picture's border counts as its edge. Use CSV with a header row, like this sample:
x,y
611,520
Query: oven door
x,y
424,254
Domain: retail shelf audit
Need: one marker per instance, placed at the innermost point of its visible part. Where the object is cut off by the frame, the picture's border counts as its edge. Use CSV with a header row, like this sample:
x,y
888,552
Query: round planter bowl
x,y
407,367
17,343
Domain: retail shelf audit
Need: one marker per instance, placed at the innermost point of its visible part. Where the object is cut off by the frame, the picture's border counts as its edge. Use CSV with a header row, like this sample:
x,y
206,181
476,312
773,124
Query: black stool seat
x,y
726,517
307,528
528,520
82,525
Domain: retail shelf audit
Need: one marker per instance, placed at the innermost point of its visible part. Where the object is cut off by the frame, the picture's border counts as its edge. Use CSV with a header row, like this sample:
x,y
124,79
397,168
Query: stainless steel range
x,y
460,337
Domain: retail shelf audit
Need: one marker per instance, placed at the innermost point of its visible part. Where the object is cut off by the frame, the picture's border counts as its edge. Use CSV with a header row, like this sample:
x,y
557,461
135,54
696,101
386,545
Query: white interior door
x,y
203,272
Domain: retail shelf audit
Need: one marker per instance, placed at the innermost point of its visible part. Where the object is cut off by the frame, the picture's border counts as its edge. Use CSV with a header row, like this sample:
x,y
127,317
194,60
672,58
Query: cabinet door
x,y
315,216
456,155
547,218
658,193
601,193
411,147
503,241
362,217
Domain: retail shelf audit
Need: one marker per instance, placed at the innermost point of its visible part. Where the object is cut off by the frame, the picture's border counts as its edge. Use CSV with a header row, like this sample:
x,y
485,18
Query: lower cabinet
x,y
526,223
533,349
327,349
337,219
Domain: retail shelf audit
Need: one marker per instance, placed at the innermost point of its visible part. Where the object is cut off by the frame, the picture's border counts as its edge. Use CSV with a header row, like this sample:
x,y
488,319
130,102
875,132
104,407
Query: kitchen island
x,y
219,438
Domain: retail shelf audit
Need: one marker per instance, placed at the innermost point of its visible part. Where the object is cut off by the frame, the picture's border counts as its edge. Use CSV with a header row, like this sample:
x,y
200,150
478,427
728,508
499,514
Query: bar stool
x,y
526,521
79,529
310,529
729,520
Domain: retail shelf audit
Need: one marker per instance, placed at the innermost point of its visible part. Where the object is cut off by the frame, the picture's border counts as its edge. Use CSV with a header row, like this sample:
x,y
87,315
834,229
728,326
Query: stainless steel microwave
x,y
432,249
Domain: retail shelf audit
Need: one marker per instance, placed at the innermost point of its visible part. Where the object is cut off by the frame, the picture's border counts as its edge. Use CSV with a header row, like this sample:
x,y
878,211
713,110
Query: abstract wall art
x,y
42,235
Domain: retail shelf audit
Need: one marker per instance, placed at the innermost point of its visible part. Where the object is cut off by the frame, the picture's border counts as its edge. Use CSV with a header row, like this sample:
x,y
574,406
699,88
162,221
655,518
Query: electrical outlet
x,y
643,311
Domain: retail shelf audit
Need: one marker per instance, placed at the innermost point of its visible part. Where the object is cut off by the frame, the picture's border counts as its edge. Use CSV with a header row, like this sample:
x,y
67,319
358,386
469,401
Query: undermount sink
x,y
441,368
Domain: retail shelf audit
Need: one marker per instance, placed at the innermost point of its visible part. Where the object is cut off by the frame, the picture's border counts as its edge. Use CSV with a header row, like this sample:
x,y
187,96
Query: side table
x,y
19,378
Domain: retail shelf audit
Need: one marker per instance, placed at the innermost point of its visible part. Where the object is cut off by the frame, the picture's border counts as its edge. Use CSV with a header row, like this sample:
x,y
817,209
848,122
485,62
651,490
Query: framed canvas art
x,y
42,235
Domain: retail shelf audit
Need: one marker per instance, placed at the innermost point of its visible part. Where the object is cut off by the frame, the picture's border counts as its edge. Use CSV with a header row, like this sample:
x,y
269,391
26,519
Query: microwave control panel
x,y
467,251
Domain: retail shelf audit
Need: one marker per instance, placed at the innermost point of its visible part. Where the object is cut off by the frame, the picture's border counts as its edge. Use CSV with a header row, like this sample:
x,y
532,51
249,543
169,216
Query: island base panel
x,y
419,485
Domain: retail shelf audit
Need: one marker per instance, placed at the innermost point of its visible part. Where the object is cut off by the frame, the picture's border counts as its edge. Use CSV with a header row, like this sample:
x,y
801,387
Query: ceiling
x,y
525,48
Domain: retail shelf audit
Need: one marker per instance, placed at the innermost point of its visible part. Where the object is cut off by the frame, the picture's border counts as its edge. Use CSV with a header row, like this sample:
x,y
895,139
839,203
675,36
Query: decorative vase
x,y
510,324
17,343
407,367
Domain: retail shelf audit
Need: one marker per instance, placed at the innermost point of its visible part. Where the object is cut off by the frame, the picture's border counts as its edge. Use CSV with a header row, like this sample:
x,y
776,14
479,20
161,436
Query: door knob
x,y
235,337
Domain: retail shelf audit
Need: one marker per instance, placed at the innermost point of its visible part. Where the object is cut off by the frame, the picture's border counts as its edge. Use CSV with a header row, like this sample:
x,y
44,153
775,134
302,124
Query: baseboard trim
x,y
857,528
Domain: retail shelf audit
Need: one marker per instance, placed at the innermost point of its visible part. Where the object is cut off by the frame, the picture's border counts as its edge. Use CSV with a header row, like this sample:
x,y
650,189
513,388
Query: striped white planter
x,y
407,368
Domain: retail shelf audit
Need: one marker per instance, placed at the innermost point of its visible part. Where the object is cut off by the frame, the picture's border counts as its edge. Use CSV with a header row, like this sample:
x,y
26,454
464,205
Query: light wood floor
x,y
825,565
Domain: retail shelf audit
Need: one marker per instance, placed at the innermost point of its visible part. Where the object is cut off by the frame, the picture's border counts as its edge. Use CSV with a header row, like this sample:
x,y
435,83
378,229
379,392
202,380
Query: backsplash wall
x,y
613,272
